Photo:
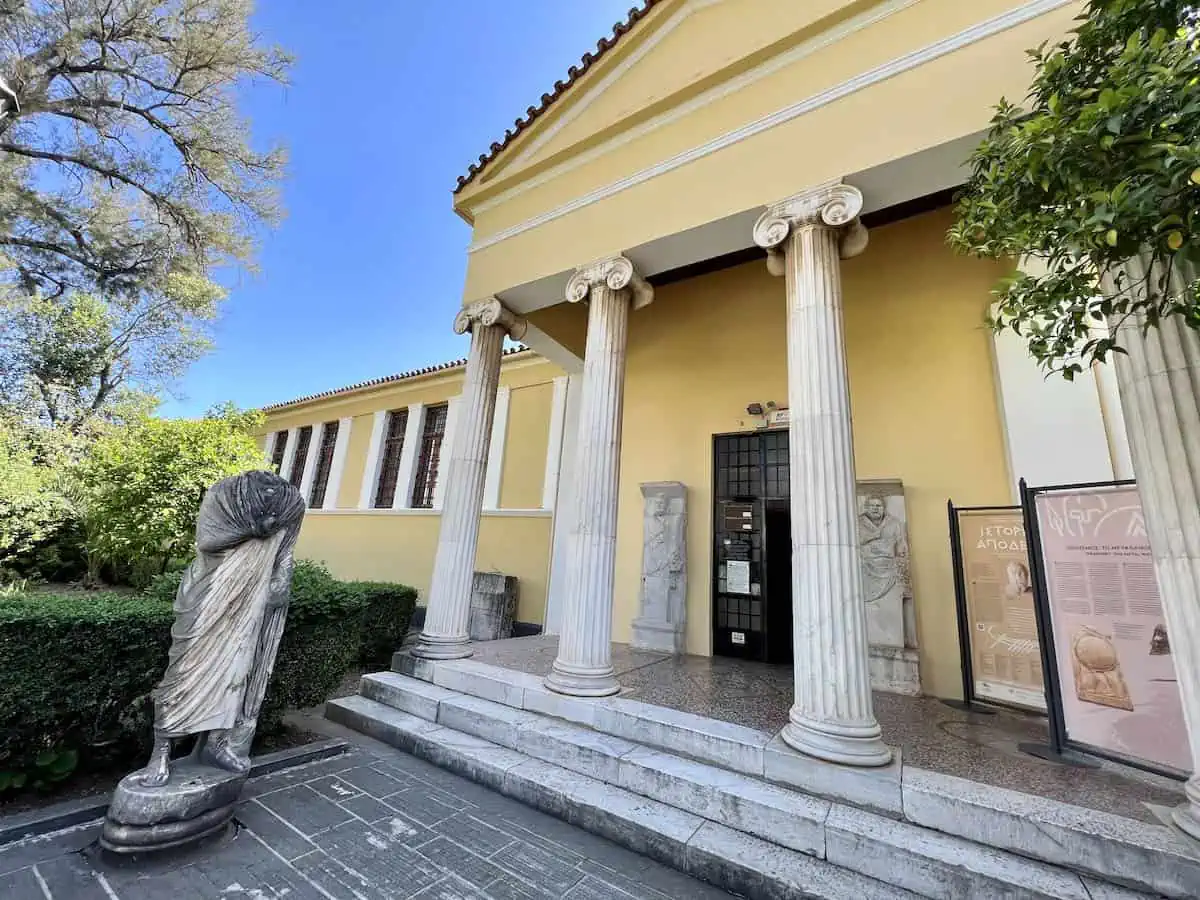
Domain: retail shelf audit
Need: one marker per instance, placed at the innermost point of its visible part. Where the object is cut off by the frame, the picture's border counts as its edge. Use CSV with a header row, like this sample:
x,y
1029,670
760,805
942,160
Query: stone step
x,y
722,856
1145,857
926,862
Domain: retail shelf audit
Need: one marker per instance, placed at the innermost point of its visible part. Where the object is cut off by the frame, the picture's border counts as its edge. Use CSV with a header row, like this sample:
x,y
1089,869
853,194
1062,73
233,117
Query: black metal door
x,y
751,478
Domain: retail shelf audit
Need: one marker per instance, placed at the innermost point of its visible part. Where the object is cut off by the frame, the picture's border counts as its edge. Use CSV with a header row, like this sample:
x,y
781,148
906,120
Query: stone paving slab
x,y
370,825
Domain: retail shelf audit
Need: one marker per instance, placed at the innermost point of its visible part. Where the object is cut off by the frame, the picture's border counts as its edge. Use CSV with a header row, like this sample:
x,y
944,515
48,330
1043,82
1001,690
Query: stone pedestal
x,y
493,606
445,635
583,667
832,717
1159,380
198,801
662,621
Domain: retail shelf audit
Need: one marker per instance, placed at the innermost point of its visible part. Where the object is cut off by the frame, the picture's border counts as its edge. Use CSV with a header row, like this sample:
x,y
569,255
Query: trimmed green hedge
x,y
76,670
389,612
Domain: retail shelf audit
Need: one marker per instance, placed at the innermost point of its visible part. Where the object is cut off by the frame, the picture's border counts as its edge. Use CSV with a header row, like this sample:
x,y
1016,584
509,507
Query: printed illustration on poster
x,y
1116,675
1000,618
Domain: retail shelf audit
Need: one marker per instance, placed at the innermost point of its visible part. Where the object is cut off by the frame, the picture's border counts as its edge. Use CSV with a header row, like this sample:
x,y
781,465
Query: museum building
x,y
756,373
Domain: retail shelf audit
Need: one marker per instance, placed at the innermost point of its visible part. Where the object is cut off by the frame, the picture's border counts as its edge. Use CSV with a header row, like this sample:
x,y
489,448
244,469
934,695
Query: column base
x,y
434,647
579,681
848,745
1187,816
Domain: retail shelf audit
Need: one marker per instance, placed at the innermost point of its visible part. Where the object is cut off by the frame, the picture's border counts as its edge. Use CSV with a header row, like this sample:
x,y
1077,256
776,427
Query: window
x,y
303,439
329,433
277,451
431,451
389,464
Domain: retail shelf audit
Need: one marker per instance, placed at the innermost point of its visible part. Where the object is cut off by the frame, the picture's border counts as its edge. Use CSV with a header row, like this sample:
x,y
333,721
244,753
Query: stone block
x,y
939,866
410,695
374,719
873,788
896,670
405,663
783,817
493,606
637,823
483,719
1145,857
478,680
463,754
722,743
577,749
580,710
751,867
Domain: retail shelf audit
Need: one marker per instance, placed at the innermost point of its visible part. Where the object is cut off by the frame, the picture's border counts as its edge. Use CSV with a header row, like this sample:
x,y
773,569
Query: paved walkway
x,y
374,824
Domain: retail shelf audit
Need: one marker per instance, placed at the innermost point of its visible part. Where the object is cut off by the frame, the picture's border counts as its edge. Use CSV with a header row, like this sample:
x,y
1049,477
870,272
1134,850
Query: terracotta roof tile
x,y
574,73
387,379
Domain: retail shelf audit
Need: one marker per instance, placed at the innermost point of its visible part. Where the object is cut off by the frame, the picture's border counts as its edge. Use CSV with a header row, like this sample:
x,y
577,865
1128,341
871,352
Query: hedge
x,y
389,612
76,670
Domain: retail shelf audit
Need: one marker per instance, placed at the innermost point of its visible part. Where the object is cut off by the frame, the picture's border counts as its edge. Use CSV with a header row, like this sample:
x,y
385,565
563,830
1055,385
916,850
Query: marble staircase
x,y
738,808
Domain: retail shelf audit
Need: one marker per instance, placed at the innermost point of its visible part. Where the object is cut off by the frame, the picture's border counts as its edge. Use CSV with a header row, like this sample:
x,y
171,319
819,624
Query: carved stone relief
x,y
662,621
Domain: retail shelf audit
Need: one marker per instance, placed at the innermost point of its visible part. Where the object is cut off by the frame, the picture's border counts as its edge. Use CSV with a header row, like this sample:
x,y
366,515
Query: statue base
x,y
197,802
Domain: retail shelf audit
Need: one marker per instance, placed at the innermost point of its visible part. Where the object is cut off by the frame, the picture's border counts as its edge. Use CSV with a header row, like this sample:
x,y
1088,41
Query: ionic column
x,y
445,633
584,664
832,717
1159,381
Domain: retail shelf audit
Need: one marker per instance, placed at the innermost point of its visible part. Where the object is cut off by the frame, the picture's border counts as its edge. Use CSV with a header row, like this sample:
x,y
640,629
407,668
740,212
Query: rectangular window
x,y
278,450
303,439
389,463
431,452
329,433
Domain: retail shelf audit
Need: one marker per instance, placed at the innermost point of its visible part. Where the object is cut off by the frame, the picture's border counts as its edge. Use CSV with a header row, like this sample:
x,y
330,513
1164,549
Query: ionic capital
x,y
832,205
617,273
490,312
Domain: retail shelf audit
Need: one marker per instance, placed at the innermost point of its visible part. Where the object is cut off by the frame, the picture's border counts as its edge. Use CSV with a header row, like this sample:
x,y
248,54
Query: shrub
x,y
389,610
142,485
33,510
76,670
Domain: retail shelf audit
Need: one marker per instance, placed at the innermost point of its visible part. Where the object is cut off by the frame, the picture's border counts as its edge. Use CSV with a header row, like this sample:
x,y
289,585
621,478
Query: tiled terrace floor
x,y
930,734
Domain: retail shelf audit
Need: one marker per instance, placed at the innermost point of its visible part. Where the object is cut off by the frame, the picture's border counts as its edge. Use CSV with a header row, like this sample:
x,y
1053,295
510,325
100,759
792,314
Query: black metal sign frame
x,y
1060,740
972,701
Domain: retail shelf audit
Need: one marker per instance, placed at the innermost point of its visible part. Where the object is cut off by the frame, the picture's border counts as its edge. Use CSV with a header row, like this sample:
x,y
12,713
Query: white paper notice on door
x,y
737,576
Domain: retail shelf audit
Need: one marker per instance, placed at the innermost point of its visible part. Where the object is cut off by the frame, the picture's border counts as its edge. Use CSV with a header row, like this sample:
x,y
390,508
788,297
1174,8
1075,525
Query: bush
x,y
33,509
389,610
76,671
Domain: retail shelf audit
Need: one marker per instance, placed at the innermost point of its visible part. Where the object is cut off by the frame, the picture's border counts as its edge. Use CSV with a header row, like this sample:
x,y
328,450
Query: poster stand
x,y
971,702
1061,748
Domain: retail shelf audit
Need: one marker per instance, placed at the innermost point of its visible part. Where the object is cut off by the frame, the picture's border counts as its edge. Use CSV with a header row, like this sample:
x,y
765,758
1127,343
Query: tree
x,y
123,161
1102,165
142,485
32,505
68,360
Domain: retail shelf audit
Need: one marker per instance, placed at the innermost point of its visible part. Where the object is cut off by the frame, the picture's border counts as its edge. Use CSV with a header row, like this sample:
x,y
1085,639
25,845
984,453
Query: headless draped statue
x,y
229,617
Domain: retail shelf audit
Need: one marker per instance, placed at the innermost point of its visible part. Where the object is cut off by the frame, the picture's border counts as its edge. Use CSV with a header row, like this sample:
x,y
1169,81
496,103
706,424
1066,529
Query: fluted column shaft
x,y
583,667
445,635
1159,381
833,717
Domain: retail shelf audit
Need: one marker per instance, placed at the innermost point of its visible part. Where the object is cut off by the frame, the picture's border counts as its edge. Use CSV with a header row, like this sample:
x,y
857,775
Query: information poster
x,y
1115,670
1006,660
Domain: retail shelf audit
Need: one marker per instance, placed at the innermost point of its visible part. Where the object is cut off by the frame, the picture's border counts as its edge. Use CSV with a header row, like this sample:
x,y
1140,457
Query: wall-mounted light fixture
x,y
754,409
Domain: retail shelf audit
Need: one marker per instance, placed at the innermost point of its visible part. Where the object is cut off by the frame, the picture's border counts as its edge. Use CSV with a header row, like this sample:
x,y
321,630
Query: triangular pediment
x,y
681,45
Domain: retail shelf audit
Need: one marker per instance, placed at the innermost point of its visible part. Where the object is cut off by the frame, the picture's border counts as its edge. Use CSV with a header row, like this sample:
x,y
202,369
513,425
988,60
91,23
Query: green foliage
x,y
123,160
1101,164
33,507
142,485
389,610
76,671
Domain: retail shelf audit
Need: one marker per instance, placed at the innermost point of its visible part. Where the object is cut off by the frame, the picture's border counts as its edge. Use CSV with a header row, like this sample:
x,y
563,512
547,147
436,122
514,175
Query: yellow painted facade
x,y
399,544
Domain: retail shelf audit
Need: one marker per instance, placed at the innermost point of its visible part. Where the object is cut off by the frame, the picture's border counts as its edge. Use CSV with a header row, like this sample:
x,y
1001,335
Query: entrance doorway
x,y
752,547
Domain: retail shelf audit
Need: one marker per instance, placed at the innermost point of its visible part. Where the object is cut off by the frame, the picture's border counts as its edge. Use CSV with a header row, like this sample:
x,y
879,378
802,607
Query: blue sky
x,y
389,102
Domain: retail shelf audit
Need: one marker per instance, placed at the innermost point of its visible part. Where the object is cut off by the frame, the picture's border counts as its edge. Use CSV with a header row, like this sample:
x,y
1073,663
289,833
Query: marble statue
x,y
887,585
229,616
662,621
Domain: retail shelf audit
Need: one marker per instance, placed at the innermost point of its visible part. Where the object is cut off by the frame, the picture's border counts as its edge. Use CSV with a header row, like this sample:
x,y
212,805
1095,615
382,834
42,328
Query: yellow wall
x,y
923,399
399,545
863,129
